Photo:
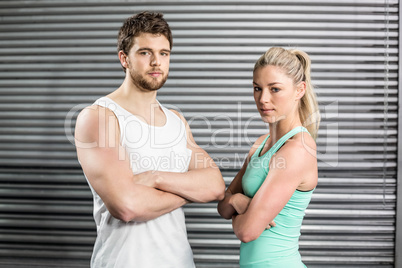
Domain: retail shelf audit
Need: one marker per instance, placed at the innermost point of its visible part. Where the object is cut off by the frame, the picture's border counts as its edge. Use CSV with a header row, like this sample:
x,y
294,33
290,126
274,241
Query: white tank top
x,y
157,243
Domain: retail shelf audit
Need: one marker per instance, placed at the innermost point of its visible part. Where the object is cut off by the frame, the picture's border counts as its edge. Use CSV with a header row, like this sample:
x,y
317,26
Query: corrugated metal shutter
x,y
58,56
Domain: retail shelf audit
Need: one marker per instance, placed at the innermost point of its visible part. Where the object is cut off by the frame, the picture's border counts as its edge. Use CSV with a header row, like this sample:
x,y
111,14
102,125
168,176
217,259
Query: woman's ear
x,y
300,90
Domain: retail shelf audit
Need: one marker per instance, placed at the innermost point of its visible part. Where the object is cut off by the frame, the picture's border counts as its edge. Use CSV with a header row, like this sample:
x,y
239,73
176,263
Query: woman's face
x,y
275,94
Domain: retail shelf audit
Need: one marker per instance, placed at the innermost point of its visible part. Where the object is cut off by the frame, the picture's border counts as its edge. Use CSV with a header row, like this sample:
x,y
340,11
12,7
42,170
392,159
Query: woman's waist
x,y
287,228
272,248
278,238
285,262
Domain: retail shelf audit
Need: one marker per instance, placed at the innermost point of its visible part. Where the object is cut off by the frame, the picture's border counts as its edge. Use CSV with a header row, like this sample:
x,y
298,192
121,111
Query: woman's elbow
x,y
246,236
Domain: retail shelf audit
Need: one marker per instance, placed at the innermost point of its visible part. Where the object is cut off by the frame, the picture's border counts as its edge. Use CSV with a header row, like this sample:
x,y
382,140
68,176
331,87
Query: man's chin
x,y
151,86
147,84
154,87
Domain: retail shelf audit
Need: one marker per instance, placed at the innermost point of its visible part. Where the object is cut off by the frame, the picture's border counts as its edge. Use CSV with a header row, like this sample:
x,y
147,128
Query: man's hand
x,y
147,178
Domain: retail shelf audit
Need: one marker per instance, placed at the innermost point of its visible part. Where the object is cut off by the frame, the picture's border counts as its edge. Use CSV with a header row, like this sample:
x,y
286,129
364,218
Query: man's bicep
x,y
105,163
200,158
106,169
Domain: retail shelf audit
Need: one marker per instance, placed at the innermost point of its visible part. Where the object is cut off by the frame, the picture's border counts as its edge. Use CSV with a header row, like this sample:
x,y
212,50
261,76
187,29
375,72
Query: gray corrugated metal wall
x,y
56,55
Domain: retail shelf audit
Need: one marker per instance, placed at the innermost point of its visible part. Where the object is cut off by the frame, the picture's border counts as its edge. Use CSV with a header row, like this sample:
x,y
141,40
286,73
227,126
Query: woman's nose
x,y
264,96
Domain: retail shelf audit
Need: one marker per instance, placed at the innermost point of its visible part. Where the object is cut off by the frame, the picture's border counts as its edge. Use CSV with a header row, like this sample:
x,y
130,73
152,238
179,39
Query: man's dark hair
x,y
144,22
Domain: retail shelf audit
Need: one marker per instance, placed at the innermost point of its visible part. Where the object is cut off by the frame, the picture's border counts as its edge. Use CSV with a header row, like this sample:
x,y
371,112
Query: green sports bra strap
x,y
285,137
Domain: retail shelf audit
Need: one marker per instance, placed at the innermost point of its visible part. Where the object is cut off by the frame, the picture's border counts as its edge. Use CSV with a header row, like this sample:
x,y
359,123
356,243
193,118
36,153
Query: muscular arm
x,y
106,165
275,192
202,183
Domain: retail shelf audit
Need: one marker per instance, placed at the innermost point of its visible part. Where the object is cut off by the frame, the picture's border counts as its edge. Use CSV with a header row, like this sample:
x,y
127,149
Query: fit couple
x,y
138,200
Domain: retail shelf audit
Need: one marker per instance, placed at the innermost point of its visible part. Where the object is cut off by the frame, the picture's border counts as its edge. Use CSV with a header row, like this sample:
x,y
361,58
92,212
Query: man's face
x,y
148,61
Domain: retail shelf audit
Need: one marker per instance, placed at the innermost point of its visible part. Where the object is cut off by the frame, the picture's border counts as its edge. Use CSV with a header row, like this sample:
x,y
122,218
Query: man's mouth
x,y
155,73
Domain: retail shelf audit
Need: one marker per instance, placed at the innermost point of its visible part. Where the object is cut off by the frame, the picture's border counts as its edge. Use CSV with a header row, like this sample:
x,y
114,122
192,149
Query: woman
x,y
275,184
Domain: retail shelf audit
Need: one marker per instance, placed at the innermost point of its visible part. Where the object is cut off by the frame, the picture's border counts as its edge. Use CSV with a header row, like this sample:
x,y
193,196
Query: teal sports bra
x,y
258,167
277,247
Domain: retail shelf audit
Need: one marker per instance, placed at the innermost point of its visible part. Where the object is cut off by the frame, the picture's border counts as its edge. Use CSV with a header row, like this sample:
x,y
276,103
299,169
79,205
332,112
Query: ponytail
x,y
297,65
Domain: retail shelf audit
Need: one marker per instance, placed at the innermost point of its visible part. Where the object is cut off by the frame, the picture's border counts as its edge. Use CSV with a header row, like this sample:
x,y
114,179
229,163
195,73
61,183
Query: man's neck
x,y
132,98
141,103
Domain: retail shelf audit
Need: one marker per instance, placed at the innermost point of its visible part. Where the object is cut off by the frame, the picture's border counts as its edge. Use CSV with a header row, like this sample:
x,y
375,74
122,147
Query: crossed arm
x,y
250,217
144,196
202,183
300,172
235,202
274,193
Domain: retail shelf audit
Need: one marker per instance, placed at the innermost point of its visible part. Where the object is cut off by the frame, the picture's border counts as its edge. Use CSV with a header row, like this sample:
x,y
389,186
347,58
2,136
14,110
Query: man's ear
x,y
301,90
123,59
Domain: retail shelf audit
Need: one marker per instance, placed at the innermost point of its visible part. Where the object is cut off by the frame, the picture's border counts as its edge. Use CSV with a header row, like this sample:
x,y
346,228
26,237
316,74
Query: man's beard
x,y
145,84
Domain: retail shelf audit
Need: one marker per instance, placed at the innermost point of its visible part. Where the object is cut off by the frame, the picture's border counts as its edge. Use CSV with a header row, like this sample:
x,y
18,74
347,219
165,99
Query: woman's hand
x,y
240,202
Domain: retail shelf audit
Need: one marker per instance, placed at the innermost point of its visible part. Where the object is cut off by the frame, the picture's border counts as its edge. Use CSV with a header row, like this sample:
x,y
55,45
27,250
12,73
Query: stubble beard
x,y
147,84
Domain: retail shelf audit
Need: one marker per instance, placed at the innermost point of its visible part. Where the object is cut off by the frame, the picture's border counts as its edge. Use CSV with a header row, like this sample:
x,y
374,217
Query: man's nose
x,y
155,61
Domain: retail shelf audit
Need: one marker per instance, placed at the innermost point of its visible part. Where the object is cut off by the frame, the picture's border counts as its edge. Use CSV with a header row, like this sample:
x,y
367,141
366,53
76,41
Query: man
x,y
140,159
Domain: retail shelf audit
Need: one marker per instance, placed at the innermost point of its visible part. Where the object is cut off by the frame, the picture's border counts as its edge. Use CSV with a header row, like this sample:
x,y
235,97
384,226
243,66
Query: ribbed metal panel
x,y
58,56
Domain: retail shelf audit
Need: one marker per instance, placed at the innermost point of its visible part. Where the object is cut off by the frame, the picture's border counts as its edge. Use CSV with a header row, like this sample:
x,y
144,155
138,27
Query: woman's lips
x,y
267,111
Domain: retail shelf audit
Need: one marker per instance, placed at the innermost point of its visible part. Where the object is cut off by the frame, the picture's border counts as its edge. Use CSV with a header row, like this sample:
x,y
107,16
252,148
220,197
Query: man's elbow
x,y
123,215
219,189
126,213
213,191
220,193
216,193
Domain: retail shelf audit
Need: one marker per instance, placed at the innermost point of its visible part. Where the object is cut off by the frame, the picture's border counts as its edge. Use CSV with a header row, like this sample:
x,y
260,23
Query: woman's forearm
x,y
225,209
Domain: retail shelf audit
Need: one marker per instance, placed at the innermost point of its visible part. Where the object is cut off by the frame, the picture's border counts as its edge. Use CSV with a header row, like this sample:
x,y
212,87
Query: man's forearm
x,y
139,202
198,185
161,203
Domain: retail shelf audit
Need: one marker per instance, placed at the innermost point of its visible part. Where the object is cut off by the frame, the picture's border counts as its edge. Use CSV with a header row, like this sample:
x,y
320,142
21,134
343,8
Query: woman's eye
x,y
275,89
257,89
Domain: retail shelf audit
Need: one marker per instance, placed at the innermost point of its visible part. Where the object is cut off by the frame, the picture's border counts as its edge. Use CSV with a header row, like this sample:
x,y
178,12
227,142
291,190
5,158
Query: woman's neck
x,y
278,129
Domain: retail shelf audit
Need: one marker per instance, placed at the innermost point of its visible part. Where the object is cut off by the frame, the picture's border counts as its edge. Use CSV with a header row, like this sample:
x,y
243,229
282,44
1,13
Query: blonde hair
x,y
296,65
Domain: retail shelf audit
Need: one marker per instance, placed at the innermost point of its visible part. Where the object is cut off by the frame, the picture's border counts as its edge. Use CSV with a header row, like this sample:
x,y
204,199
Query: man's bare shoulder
x,y
91,119
179,115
